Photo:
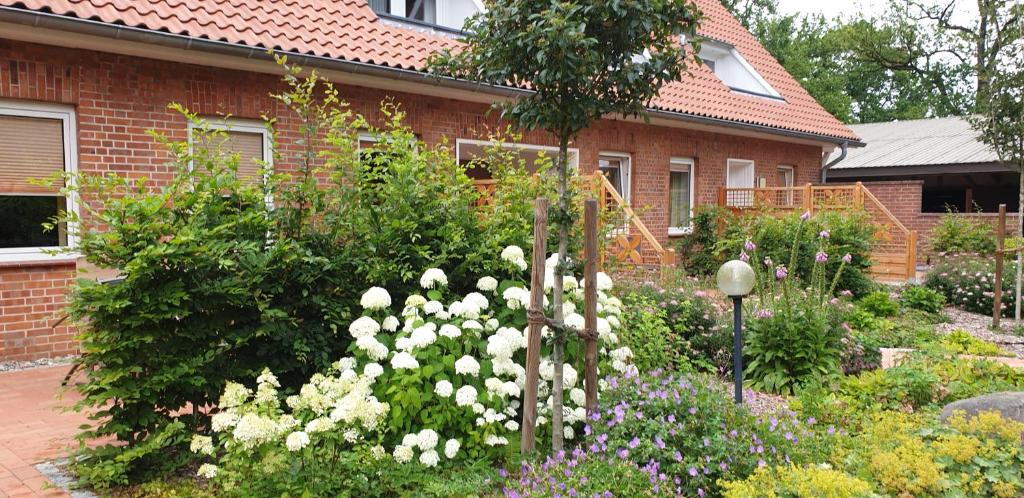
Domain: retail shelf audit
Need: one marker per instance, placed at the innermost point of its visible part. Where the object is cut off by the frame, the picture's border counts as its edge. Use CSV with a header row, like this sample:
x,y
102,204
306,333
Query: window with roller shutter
x,y
37,142
249,139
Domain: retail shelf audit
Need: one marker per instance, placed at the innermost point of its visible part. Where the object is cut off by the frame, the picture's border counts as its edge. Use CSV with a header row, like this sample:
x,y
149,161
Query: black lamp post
x,y
736,279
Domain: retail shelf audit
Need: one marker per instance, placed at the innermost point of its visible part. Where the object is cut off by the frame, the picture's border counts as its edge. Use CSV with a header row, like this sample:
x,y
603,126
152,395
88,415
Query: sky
x,y
846,8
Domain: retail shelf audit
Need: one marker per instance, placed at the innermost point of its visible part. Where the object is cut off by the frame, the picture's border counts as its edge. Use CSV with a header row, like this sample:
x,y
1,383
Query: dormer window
x,y
448,14
730,67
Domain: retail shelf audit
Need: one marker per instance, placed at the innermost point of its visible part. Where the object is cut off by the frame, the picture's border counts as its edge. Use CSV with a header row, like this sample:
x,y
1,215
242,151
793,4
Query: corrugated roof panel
x,y
920,142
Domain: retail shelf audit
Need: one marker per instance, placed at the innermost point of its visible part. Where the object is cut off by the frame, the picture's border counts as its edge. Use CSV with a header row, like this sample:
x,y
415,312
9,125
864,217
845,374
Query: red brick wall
x,y
118,98
31,302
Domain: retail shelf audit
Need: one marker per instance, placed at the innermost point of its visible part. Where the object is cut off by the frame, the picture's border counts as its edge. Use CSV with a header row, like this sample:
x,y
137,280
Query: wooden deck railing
x,y
631,244
894,252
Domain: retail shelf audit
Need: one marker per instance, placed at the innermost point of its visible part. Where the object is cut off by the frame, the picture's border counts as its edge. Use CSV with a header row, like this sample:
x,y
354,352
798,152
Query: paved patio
x,y
33,429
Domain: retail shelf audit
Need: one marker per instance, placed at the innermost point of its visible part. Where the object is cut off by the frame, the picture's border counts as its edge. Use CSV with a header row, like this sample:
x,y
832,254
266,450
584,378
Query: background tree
x,y
582,61
1002,127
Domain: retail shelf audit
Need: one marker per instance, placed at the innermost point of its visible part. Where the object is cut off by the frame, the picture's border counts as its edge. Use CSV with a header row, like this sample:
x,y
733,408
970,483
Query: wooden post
x,y
858,195
808,199
535,315
590,304
997,297
912,255
721,197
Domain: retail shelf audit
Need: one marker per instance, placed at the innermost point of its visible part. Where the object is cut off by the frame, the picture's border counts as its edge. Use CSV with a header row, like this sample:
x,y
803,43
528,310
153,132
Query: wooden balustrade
x,y
894,252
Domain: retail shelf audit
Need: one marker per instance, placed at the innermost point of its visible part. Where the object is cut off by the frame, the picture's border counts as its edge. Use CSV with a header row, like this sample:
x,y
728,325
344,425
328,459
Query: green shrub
x,y
957,234
654,344
813,481
850,233
697,250
585,474
968,282
869,333
960,341
921,298
879,303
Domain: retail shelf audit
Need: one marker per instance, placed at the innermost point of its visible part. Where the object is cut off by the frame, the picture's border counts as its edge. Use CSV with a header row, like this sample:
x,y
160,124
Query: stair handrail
x,y
605,187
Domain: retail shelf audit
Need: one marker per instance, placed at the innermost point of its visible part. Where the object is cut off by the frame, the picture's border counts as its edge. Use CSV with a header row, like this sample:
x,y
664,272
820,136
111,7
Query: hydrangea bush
x,y
440,381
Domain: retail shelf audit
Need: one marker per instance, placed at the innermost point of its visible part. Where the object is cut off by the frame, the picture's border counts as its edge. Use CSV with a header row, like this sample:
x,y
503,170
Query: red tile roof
x,y
349,30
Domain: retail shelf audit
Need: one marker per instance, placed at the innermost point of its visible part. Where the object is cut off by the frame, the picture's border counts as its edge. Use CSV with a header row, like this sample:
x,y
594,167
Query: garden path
x,y
34,429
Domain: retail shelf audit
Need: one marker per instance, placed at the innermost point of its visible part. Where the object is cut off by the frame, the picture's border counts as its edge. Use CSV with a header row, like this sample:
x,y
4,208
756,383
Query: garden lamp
x,y
736,279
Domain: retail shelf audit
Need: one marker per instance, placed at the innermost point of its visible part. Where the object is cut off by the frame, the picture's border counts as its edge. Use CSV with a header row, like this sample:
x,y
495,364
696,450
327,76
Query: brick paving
x,y
34,429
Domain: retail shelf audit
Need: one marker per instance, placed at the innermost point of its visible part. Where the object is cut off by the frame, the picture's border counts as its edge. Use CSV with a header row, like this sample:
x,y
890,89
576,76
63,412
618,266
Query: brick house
x,y
82,80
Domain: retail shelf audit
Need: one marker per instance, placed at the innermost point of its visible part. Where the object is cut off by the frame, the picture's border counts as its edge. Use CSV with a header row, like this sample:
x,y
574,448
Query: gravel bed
x,y
980,327
57,473
14,366
757,402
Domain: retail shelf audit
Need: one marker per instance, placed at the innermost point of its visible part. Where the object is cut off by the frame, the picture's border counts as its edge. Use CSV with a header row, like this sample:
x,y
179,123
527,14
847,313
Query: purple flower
x,y
821,257
693,471
743,257
633,443
781,272
847,258
749,246
823,234
768,262
806,216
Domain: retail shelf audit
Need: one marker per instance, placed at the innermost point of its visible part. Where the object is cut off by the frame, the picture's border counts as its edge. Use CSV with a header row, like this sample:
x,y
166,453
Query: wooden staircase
x,y
894,251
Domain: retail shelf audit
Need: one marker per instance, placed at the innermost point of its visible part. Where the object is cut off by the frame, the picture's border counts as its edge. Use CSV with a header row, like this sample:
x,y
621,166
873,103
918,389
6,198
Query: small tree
x,y
582,61
1001,126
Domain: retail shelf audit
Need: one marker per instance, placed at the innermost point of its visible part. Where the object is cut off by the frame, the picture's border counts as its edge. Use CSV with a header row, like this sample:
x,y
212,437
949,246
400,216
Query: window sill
x,y
679,232
36,257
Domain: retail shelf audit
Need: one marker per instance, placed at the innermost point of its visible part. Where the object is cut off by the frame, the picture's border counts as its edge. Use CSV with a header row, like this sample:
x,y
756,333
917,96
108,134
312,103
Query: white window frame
x,y
67,116
396,10
717,51
574,153
792,174
729,162
628,183
679,165
239,125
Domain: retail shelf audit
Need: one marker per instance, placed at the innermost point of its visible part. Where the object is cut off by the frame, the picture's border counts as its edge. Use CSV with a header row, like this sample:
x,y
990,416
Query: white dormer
x,y
451,14
730,67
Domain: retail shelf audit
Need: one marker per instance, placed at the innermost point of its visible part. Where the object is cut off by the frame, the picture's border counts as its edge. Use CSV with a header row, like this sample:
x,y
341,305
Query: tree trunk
x,y
1020,231
558,355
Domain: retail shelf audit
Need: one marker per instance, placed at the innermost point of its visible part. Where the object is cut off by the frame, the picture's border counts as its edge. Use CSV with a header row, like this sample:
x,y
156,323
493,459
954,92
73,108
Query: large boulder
x,y
1009,404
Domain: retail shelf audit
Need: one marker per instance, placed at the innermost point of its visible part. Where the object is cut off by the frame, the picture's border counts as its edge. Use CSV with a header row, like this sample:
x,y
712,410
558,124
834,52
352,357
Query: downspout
x,y
842,155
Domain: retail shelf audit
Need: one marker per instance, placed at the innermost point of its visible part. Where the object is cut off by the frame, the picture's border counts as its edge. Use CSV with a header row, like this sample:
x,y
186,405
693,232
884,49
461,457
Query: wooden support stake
x,y
997,298
590,303
808,198
912,255
535,314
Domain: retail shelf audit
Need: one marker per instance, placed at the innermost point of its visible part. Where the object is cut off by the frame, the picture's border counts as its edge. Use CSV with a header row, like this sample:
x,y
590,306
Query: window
x,y
36,141
249,139
785,176
616,167
739,179
471,153
450,14
734,71
680,195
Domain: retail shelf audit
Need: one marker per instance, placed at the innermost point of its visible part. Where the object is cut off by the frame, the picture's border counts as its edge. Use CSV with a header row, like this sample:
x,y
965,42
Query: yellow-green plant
x,y
813,481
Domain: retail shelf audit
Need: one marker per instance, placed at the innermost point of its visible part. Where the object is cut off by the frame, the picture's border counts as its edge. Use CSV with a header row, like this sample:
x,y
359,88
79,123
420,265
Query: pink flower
x,y
743,257
821,257
806,216
823,234
780,272
763,314
749,246
768,262
847,258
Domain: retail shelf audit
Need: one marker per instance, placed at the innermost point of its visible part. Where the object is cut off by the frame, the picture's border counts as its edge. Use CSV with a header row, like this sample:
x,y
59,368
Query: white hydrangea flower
x,y
516,297
207,470
429,458
547,369
351,435
296,441
253,430
443,315
372,347
478,408
450,331
492,324
423,336
415,301
347,363
202,445
568,432
487,284
223,421
390,323
267,377
433,277
363,326
604,282
451,448
467,365
477,299
403,360
622,354
402,454
493,384
569,282
433,307
472,325
322,424
510,388
375,298
552,261
619,366
443,388
604,327
574,321
578,396
499,347
514,255
494,440
569,375
404,344
465,396
568,308
234,395
373,370
512,426
427,439
377,452
411,440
